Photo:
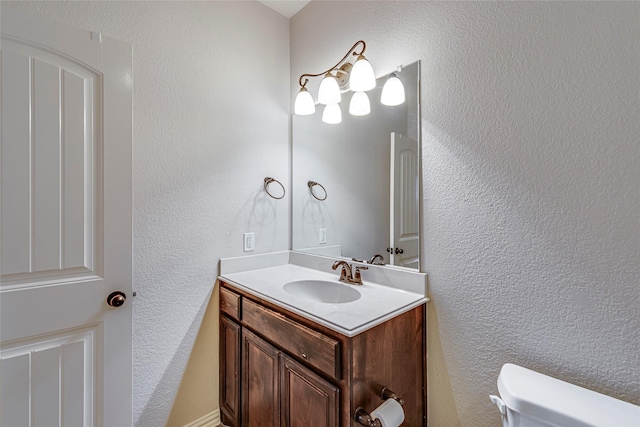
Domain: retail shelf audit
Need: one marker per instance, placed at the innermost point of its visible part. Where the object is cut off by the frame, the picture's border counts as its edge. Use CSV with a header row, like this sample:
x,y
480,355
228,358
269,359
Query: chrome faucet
x,y
348,275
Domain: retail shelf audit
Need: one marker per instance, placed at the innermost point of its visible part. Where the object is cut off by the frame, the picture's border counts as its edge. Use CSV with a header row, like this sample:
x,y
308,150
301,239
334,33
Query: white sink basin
x,y
322,291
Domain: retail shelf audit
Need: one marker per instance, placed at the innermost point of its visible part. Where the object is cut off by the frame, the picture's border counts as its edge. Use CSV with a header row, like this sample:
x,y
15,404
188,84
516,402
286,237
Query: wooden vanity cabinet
x,y
230,370
306,398
281,392
280,369
260,382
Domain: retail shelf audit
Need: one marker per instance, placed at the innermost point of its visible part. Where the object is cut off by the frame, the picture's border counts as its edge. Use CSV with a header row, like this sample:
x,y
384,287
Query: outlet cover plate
x,y
322,236
249,242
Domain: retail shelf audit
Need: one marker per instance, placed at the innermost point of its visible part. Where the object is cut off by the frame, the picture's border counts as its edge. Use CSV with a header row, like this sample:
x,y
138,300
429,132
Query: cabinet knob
x,y
304,355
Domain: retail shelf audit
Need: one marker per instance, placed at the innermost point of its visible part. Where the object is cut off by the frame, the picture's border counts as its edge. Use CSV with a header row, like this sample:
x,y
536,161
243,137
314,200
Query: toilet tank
x,y
531,399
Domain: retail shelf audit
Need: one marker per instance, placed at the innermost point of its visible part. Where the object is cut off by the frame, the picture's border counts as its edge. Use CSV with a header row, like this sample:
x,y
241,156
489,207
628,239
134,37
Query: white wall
x,y
211,120
530,133
531,184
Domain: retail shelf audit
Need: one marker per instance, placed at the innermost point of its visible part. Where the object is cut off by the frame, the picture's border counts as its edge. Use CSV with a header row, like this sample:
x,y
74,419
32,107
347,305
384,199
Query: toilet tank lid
x,y
560,403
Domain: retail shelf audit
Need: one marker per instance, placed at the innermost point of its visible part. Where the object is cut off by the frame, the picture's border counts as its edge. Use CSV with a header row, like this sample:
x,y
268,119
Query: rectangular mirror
x,y
368,168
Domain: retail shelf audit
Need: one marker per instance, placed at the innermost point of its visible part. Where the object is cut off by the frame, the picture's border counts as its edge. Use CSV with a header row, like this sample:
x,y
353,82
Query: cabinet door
x,y
260,385
229,371
306,399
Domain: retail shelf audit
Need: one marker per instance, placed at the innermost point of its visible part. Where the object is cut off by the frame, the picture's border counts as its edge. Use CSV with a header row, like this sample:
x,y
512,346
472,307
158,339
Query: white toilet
x,y
530,399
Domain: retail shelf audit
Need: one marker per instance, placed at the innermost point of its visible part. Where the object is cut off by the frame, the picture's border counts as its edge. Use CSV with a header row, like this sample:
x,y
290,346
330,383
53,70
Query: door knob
x,y
399,251
116,299
390,250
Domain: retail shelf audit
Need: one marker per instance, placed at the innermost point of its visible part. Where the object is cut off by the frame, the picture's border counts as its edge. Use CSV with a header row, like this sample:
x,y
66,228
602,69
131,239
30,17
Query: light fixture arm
x,y
352,50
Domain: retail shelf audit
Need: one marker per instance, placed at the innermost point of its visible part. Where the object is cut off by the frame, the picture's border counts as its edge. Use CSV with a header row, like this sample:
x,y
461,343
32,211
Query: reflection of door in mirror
x,y
405,224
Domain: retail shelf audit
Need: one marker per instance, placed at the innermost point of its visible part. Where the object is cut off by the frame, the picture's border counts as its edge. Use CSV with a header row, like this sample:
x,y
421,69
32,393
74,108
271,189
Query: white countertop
x,y
378,302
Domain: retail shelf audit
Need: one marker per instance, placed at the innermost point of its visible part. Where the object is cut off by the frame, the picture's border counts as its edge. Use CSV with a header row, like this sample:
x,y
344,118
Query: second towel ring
x,y
268,180
311,184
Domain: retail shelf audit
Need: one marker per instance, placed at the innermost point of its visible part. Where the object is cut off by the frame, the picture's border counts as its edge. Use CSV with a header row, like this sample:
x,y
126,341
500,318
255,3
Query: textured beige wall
x,y
211,120
199,386
530,137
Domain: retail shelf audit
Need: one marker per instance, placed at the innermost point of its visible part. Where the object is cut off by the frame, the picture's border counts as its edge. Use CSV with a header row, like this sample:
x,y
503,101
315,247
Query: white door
x,y
405,215
66,216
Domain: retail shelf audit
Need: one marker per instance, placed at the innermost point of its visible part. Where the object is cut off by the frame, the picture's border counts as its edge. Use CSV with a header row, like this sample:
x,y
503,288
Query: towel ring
x,y
268,180
311,184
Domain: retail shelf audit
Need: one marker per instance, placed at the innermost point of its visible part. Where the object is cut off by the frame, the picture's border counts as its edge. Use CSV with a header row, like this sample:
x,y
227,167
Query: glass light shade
x,y
362,77
332,114
392,91
329,91
359,105
304,105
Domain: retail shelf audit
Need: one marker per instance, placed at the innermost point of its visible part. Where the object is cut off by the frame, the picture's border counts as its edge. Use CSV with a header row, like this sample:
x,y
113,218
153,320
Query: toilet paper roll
x,y
390,413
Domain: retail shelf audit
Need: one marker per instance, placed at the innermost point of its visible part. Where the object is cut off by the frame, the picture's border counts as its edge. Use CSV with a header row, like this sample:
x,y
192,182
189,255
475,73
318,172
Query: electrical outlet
x,y
249,240
322,236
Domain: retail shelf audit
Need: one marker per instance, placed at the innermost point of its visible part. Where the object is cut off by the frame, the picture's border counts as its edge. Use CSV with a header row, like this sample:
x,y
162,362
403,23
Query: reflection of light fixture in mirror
x,y
304,103
332,114
393,91
358,77
359,105
329,91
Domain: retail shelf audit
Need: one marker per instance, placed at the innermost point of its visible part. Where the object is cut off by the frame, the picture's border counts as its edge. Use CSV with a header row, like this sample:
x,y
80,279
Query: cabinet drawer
x,y
230,303
315,348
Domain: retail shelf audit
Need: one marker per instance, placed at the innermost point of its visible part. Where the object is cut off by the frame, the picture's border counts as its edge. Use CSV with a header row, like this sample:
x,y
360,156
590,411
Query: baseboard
x,y
212,419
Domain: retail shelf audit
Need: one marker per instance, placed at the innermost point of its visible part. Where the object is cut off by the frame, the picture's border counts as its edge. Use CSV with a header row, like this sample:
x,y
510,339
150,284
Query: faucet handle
x,y
357,277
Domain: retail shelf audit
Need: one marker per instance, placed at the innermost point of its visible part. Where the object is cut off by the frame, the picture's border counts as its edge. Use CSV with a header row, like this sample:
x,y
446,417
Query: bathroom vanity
x,y
297,346
288,361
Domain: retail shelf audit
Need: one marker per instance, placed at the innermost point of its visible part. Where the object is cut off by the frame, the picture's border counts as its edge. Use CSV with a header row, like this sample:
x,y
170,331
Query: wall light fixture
x,y
358,77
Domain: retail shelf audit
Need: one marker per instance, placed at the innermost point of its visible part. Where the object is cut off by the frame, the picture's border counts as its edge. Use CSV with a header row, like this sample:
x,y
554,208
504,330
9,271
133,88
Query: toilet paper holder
x,y
364,418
